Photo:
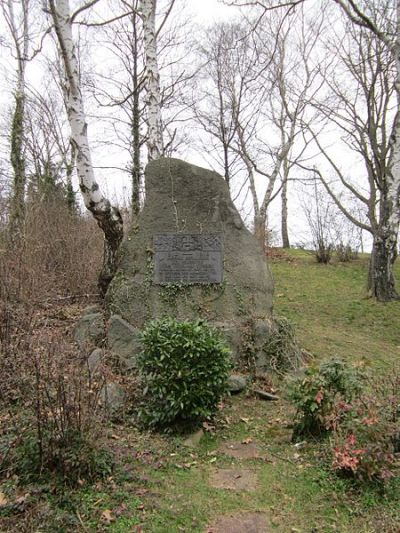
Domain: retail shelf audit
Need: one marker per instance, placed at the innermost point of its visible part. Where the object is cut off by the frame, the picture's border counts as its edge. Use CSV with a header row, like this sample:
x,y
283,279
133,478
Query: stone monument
x,y
190,256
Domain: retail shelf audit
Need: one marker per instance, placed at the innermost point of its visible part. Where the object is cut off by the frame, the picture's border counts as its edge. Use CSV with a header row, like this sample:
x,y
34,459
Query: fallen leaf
x,y
247,441
3,499
107,517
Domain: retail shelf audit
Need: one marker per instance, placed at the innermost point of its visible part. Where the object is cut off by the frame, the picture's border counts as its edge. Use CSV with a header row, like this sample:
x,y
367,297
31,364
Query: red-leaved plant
x,y
365,435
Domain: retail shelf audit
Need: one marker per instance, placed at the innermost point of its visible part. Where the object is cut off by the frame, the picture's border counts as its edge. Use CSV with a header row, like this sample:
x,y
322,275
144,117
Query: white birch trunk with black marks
x,y
107,216
153,93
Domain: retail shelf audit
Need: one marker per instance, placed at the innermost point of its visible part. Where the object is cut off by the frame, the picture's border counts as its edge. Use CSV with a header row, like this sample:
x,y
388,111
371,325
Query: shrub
x,y
366,435
184,368
281,346
56,427
317,393
345,252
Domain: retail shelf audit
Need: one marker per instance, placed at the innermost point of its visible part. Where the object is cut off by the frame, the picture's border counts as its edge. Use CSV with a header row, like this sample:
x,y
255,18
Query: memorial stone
x,y
190,256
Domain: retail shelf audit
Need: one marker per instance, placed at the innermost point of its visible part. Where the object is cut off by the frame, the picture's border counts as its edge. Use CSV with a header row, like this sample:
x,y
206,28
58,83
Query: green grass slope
x,y
331,312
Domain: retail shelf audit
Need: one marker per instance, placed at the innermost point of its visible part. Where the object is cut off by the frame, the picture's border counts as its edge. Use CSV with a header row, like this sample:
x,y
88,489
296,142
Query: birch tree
x,y
107,216
371,15
381,283
363,104
155,145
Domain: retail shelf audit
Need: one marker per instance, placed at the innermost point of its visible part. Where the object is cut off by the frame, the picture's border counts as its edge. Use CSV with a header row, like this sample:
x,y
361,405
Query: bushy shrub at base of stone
x,y
184,369
316,393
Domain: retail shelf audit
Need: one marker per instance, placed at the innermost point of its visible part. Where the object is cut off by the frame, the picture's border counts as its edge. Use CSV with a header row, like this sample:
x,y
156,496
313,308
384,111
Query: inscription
x,y
188,258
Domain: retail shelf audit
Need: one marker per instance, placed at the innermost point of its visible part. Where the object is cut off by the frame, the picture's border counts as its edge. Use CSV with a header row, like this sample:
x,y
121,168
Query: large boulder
x,y
186,199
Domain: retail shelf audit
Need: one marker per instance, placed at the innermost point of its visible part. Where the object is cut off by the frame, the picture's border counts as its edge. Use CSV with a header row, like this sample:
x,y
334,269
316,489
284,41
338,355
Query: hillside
x,y
245,473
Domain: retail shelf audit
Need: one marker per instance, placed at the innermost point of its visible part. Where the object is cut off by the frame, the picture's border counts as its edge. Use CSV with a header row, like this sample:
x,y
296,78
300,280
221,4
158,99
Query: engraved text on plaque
x,y
188,258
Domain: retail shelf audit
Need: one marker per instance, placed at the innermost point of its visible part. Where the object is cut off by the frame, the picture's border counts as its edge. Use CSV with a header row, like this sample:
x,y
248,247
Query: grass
x,y
160,486
331,312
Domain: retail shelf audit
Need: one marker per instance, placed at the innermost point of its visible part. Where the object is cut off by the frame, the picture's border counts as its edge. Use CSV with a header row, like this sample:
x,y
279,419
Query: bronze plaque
x,y
188,258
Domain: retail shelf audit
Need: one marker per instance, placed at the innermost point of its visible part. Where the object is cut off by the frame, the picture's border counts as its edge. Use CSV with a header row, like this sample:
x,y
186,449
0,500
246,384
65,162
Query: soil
x,y
234,479
240,523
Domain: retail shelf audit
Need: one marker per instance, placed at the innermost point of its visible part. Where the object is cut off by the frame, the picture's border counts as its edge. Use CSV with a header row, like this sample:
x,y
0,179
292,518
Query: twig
x,y
265,395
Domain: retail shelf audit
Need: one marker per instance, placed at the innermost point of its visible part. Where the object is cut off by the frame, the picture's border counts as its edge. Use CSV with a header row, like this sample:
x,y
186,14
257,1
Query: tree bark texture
x,y
19,30
17,158
135,126
153,93
284,216
108,217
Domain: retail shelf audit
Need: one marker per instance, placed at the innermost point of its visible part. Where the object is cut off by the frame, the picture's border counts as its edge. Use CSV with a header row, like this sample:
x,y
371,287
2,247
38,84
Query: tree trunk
x,y
136,174
18,164
284,216
381,283
153,93
108,217
260,232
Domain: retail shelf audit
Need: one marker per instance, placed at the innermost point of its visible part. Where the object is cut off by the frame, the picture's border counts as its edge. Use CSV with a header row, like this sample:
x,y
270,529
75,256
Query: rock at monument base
x,y
89,330
124,341
237,383
112,397
185,200
95,359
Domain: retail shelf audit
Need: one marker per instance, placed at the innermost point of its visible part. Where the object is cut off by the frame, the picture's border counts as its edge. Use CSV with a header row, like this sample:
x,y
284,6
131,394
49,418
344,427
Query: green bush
x,y
184,368
71,459
316,393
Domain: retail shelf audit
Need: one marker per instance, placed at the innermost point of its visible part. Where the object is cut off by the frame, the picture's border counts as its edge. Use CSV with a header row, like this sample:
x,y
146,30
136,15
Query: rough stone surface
x,y
91,309
242,522
95,359
112,397
89,330
237,383
234,479
123,341
183,198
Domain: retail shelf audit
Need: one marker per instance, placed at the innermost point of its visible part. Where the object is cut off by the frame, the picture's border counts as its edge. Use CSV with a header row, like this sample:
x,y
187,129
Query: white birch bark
x,y
153,94
108,217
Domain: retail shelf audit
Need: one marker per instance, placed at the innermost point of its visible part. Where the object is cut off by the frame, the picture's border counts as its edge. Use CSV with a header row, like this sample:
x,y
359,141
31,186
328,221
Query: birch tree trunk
x,y
284,214
108,217
153,94
135,125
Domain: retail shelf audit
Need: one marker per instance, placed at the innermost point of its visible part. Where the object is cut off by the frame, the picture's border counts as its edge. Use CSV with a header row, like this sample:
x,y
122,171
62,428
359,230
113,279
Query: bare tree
x,y
121,91
377,18
108,217
221,73
17,18
362,105
382,20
